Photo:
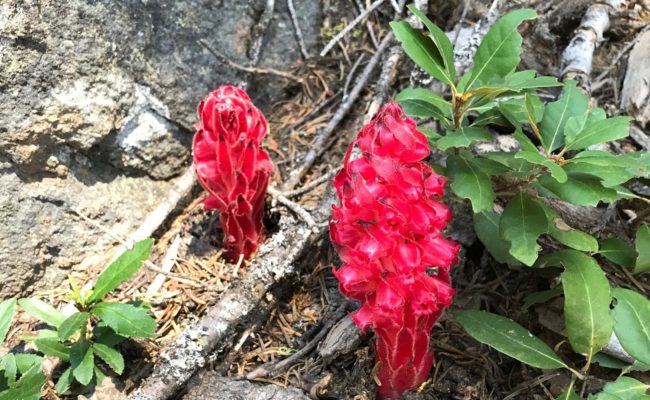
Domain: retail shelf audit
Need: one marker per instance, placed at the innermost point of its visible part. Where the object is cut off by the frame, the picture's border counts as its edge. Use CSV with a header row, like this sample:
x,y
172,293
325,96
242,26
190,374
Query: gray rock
x,y
209,386
97,106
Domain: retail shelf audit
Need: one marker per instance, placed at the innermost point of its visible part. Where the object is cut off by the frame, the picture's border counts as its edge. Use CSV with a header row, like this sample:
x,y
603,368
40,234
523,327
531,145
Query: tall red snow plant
x,y
387,233
232,166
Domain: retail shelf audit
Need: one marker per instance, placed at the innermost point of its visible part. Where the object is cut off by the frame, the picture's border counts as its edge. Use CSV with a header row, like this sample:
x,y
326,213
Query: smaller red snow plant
x,y
232,167
387,232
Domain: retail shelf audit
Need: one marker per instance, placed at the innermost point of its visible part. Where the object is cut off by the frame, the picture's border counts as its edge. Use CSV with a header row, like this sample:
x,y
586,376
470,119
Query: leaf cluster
x,y
85,341
559,158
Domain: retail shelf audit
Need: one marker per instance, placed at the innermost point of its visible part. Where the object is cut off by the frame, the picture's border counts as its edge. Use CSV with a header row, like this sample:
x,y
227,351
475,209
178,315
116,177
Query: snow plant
x,y
387,230
232,166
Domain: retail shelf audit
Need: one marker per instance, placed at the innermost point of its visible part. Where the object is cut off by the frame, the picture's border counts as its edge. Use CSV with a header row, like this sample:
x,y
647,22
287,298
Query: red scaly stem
x,y
232,167
387,233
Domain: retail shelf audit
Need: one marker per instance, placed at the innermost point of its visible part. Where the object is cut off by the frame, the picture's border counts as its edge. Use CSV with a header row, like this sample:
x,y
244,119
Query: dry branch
x,y
578,55
349,27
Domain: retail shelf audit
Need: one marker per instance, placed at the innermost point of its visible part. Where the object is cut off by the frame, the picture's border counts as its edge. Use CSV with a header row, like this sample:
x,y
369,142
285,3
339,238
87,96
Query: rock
x,y
344,338
635,96
209,384
97,108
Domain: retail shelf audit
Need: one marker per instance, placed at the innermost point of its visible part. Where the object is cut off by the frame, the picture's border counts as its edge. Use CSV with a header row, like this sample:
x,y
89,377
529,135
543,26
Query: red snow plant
x,y
387,232
232,167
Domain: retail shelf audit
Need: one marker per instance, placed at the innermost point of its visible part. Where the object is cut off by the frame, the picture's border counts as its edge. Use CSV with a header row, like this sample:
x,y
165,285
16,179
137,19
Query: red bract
x,y
387,232
232,167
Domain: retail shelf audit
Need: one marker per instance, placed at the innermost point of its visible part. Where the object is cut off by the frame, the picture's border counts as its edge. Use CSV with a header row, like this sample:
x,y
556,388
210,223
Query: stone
x,y
635,96
97,106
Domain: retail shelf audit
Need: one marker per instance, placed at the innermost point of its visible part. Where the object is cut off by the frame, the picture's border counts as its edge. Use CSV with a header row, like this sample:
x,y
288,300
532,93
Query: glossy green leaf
x,y
569,394
530,153
626,388
469,182
422,50
463,137
72,325
423,103
632,314
542,297
609,175
514,110
608,361
522,222
486,225
588,319
52,347
509,338
573,102
579,189
568,236
525,80
441,41
642,244
7,309
429,133
618,251
82,361
42,311
121,270
64,382
599,132
111,356
28,387
125,319
518,168
499,53
24,362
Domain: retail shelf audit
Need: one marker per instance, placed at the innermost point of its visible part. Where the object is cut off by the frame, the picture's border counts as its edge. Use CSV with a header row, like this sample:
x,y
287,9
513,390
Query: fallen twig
x,y
312,185
260,30
324,134
371,31
252,70
167,265
578,55
295,207
277,367
296,27
349,27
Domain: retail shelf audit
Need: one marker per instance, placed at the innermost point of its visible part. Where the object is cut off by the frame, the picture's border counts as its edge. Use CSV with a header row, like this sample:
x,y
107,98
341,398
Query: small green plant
x,y
86,340
21,377
559,160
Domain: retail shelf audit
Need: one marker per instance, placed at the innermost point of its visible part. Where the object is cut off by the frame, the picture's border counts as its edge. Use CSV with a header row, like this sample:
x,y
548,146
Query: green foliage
x,y
555,163
86,340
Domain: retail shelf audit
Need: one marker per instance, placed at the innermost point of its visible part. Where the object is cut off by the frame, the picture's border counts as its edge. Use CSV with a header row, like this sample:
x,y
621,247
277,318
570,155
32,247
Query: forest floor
x,y
464,368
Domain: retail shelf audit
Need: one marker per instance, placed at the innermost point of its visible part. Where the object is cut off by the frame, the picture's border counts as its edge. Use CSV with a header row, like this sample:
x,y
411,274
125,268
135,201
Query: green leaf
x,y
542,297
522,222
82,361
423,103
463,137
469,182
107,336
486,225
125,319
111,356
600,131
515,110
52,347
568,236
8,364
569,394
588,319
626,388
121,270
499,53
632,315
609,175
573,103
64,382
441,41
608,361
72,325
518,168
618,251
7,309
422,50
579,189
28,387
526,80
605,159
42,311
531,154
24,362
642,244
509,338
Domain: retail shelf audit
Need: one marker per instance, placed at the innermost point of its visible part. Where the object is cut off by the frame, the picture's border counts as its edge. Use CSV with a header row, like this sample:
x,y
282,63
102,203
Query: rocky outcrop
x,y
97,106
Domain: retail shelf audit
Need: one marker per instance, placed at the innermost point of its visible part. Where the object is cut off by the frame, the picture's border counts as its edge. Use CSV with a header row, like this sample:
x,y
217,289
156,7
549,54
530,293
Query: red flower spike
x,y
387,232
232,167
